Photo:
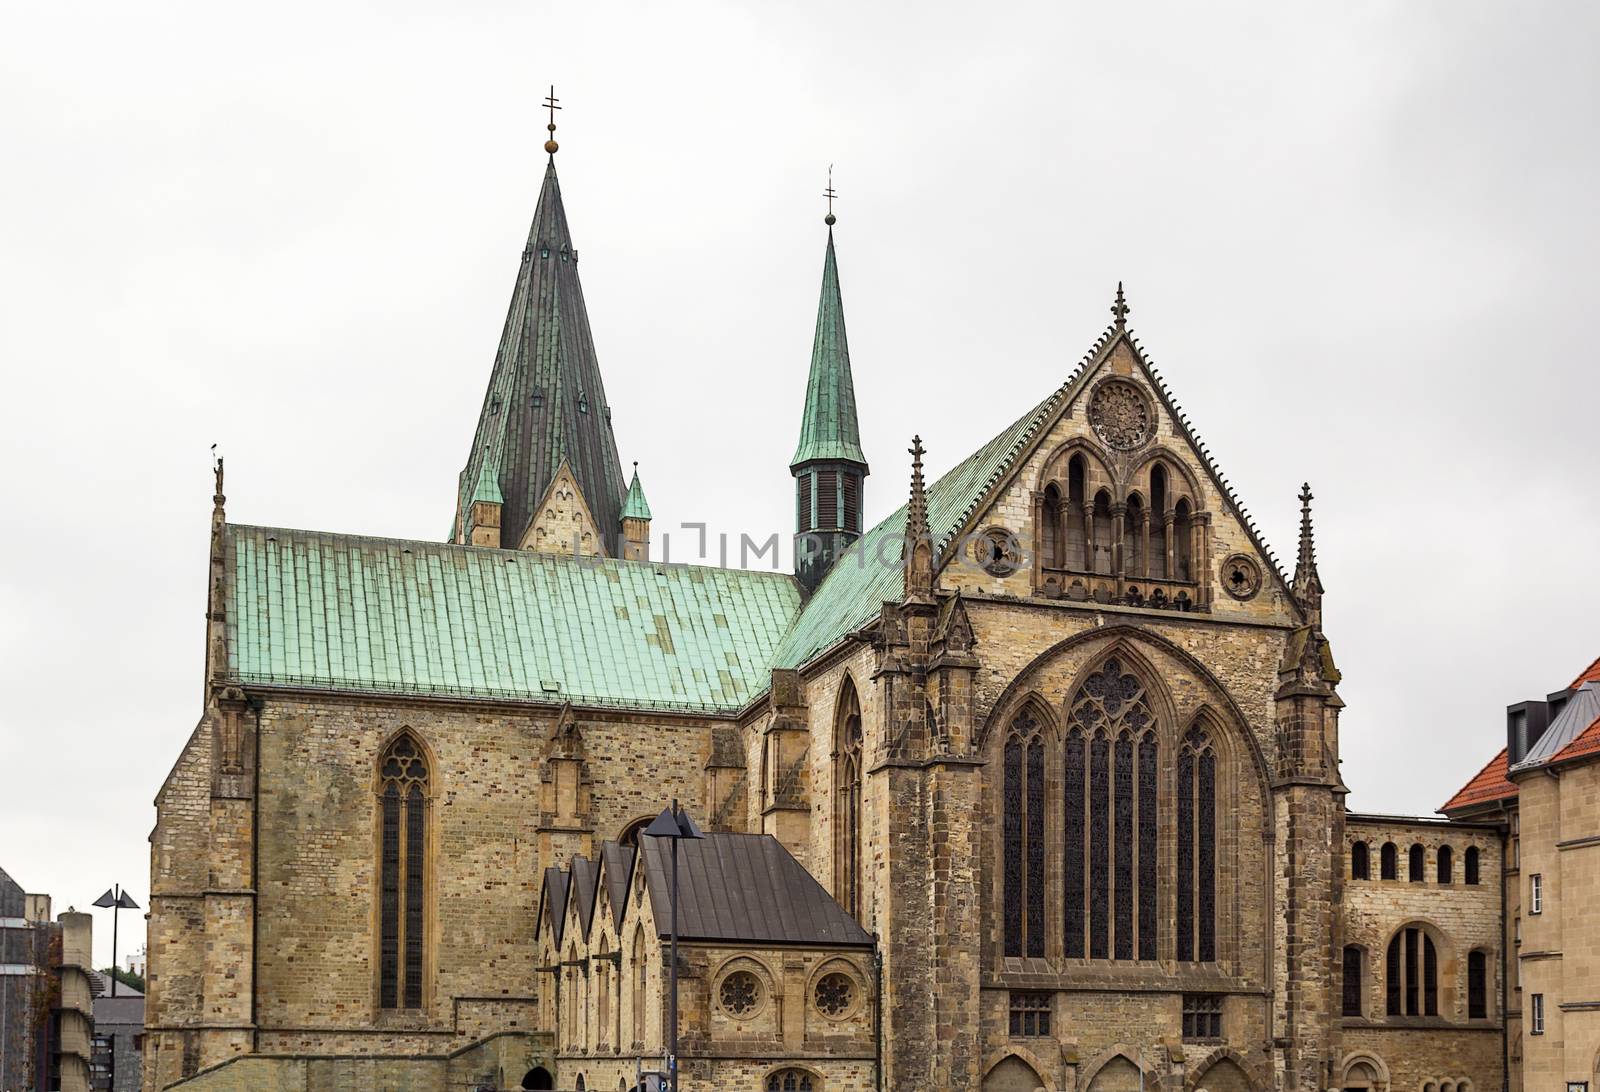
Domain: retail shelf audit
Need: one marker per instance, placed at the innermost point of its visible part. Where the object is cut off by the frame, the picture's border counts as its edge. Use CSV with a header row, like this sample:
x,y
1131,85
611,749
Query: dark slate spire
x,y
546,404
828,428
1307,584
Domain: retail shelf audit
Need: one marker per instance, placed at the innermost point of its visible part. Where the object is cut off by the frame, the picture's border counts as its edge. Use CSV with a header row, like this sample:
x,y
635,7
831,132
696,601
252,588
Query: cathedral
x,y
1033,785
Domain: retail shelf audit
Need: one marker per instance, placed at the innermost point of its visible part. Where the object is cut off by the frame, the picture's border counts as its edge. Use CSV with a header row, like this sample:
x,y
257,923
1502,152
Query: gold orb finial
x,y
550,101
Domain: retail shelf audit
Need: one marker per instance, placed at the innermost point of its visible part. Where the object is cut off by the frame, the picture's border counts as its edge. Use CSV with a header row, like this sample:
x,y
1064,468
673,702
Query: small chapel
x,y
1034,784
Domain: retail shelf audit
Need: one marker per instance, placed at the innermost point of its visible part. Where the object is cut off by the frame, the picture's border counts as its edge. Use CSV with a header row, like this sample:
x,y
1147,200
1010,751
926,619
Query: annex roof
x,y
345,612
744,888
1487,786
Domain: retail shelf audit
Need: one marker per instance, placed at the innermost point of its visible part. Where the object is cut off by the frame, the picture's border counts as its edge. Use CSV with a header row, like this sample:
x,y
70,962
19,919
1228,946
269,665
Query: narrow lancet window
x,y
403,874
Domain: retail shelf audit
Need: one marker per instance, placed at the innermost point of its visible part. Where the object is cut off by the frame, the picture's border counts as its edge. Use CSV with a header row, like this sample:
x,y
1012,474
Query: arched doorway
x,y
1012,1075
538,1077
1364,1073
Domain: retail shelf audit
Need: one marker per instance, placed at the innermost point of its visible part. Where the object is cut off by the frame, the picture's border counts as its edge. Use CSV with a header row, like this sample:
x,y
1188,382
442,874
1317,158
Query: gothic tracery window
x,y
1024,837
847,801
790,1080
403,816
1197,851
1109,788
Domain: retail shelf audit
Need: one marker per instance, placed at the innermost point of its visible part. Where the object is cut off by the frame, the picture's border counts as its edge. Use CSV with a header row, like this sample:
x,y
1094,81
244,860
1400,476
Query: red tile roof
x,y
1589,674
1488,786
1587,742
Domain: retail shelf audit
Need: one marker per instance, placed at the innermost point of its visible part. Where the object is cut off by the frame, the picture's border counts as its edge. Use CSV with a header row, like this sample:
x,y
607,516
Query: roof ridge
x,y
560,555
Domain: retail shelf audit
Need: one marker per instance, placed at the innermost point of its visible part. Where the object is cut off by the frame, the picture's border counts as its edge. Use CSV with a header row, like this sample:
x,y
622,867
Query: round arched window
x,y
740,993
835,994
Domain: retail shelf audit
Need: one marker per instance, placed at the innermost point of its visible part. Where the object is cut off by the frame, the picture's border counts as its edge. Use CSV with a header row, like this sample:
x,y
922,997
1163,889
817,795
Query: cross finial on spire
x,y
550,101
830,193
1120,309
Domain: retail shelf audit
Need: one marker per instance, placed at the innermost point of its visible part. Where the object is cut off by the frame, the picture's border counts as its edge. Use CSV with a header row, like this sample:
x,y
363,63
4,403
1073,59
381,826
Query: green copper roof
x,y
385,615
828,428
634,505
488,487
546,404
868,574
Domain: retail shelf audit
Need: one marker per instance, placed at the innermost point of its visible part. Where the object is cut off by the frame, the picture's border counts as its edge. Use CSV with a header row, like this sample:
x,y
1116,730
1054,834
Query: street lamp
x,y
675,825
115,899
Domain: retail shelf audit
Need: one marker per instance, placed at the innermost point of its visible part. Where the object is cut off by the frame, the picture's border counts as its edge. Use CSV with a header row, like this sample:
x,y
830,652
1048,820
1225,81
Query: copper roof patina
x,y
389,615
828,428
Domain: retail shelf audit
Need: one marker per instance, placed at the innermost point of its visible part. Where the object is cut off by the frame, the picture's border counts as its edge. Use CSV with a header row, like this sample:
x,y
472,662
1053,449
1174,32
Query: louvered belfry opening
x,y
403,805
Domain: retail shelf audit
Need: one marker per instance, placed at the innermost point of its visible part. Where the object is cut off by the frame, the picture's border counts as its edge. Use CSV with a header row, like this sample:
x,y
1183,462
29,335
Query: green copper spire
x,y
828,429
634,505
488,487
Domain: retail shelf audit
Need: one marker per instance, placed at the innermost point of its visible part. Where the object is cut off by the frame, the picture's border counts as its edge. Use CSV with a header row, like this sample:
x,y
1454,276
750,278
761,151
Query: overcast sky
x,y
1358,240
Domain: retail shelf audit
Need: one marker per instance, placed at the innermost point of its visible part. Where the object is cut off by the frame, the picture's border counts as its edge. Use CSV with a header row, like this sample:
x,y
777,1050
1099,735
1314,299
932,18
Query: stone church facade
x,y
1049,758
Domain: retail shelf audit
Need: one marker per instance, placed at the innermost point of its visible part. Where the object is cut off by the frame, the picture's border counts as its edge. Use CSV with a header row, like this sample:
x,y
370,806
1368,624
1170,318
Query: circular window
x,y
1120,414
835,995
740,993
1241,577
997,551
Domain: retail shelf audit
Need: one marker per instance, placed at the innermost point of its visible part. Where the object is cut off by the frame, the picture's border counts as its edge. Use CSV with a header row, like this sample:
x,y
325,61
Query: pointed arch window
x,y
847,801
1182,542
640,968
1159,536
1197,850
1074,525
403,873
1109,780
1024,836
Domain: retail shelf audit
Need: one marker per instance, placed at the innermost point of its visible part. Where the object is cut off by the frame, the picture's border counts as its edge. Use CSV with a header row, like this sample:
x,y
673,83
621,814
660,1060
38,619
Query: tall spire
x,y
917,506
1307,583
546,403
828,428
828,465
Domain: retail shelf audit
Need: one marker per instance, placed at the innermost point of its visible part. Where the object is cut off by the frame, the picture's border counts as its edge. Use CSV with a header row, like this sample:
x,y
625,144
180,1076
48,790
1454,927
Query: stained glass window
x,y
1036,846
1122,806
1111,795
847,801
1099,847
1073,889
1024,838
1149,832
1197,848
402,868
1186,855
1012,892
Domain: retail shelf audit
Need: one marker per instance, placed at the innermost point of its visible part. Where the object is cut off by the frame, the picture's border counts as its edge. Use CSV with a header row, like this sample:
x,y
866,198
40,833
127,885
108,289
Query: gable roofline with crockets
x,y
1064,397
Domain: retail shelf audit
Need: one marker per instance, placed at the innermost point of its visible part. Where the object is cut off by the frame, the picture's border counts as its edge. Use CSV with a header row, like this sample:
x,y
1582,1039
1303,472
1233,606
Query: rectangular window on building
x,y
1536,894
1477,985
1536,1014
1030,1013
1202,1016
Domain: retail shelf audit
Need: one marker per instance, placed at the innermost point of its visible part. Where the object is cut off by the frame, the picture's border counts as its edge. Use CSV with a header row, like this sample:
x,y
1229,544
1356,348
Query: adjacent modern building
x,y
117,1062
1542,791
46,1016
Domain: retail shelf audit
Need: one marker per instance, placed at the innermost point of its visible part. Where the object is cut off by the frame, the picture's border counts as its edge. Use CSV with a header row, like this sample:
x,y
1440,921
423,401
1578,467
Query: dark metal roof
x,y
744,888
122,1009
585,875
13,902
1582,709
618,862
553,901
546,405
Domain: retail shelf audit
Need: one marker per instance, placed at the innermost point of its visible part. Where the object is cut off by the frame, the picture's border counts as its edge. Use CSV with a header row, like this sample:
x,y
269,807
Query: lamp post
x,y
675,825
115,899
